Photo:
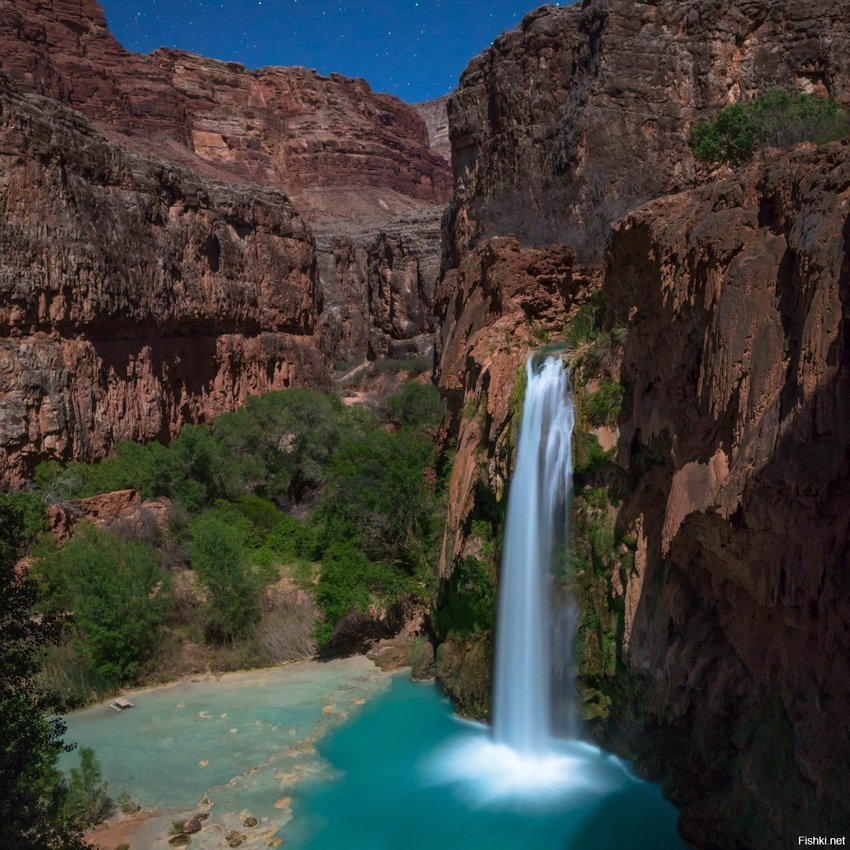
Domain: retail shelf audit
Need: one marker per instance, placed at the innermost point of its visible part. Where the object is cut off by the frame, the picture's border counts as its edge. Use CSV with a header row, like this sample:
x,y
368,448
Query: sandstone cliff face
x,y
436,117
738,433
136,296
501,303
584,111
318,138
350,159
378,286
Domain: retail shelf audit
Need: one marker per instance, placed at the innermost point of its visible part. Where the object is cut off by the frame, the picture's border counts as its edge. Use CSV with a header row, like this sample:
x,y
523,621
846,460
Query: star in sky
x,y
415,49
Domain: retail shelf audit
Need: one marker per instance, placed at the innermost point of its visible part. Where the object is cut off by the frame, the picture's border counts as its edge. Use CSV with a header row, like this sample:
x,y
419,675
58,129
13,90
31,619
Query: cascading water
x,y
535,531
532,752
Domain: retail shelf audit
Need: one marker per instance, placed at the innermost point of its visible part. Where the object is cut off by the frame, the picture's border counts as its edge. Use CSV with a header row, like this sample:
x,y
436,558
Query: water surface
x,y
340,756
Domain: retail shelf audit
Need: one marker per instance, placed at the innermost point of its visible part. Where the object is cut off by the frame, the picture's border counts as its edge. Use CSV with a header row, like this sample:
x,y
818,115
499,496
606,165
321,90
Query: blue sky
x,y
415,49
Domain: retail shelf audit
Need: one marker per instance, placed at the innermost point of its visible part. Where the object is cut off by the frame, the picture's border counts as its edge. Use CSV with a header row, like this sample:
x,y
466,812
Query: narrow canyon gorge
x,y
179,234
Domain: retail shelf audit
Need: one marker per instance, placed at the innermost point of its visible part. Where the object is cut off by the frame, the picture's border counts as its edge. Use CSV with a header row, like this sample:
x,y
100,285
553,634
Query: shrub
x,y
116,590
468,603
220,559
417,405
603,406
349,583
775,119
86,800
30,509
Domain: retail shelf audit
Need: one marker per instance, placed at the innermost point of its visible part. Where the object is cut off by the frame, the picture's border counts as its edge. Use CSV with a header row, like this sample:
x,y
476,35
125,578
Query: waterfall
x,y
536,534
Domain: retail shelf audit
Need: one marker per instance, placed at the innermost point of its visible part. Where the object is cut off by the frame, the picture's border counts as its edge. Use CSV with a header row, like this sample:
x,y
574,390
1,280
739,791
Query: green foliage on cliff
x,y
467,604
777,119
603,406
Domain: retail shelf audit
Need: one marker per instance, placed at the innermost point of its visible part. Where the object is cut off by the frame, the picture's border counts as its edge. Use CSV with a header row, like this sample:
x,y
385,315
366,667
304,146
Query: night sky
x,y
415,49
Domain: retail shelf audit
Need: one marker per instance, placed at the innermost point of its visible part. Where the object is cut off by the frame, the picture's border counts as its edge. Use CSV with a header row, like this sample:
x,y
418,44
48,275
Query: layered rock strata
x,y
583,111
737,434
324,140
136,296
351,159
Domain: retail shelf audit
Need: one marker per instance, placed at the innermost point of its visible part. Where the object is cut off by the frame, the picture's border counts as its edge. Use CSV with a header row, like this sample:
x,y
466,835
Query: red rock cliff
x,y
319,138
136,296
583,111
738,432
727,627
351,159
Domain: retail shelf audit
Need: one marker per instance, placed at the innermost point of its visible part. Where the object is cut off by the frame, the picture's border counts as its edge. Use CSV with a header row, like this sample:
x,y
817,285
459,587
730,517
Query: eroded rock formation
x,y
136,296
437,120
321,139
721,615
143,294
583,111
737,365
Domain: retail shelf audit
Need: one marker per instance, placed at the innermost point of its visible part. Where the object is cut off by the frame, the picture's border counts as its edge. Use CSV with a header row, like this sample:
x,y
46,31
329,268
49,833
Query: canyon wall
x,y
583,111
708,349
136,295
737,433
350,159
194,320
436,117
335,146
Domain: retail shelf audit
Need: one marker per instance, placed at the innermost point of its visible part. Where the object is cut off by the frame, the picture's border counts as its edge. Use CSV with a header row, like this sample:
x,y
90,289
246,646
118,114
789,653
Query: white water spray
x,y
535,532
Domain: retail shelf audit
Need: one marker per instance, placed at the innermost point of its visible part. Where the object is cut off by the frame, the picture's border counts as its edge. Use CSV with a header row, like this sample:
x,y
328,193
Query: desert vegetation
x,y
294,525
776,119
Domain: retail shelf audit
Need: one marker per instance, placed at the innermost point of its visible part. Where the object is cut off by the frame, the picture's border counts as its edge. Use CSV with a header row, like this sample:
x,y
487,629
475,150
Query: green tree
x,y
220,559
378,497
416,405
87,801
349,583
30,740
116,590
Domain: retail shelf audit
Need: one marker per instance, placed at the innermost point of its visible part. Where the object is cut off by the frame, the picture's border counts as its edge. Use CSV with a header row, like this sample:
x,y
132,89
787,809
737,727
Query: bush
x,y
468,605
776,119
417,405
116,590
30,509
220,559
86,801
377,497
603,406
351,584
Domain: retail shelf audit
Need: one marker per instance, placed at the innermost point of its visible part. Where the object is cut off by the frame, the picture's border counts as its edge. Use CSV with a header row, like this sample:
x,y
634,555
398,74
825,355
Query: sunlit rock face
x,y
136,296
